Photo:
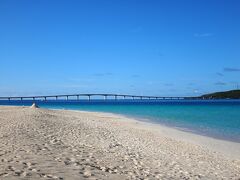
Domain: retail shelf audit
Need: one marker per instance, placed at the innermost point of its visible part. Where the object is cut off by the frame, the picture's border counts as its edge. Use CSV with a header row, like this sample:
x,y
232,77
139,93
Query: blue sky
x,y
181,47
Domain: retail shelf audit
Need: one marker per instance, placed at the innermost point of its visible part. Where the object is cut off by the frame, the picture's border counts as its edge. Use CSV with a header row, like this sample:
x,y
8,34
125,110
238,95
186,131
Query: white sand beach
x,y
61,144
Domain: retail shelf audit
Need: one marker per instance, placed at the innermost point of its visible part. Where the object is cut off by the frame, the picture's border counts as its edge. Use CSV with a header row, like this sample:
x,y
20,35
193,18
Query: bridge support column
x,y
105,97
45,98
89,97
115,97
78,98
56,98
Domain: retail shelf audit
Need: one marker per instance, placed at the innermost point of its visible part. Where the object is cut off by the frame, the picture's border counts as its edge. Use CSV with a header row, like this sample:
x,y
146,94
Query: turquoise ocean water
x,y
215,118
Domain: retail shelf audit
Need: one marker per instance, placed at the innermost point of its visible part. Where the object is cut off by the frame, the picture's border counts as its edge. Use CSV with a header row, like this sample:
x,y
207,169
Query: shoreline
x,y
192,130
42,143
214,133
150,122
230,149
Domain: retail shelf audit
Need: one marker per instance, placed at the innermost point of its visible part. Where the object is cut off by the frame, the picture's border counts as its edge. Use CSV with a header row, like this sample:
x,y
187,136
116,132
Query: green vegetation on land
x,y
233,94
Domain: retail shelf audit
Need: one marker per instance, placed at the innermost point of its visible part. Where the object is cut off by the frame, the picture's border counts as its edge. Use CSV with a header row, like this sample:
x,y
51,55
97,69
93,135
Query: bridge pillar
x,y
45,98
21,98
115,97
9,99
89,97
56,98
78,97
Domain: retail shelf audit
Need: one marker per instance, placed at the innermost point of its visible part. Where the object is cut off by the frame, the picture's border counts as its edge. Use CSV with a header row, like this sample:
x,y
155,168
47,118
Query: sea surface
x,y
215,118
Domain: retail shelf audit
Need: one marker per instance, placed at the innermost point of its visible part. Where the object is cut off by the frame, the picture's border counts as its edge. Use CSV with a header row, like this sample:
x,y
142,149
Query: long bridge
x,y
89,96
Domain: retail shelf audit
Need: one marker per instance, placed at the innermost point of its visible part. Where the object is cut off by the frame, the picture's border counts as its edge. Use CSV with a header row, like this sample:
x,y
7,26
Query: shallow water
x,y
215,118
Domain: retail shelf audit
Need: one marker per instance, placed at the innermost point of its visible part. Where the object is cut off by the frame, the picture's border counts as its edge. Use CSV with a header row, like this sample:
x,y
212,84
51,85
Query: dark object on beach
x,y
34,105
234,94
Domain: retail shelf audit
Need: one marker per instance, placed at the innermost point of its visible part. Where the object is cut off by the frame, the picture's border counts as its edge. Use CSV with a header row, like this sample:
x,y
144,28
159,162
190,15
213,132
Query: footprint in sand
x,y
4,174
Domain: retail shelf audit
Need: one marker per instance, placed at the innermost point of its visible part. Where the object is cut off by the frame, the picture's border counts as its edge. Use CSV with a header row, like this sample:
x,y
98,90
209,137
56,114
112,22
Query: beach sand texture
x,y
59,144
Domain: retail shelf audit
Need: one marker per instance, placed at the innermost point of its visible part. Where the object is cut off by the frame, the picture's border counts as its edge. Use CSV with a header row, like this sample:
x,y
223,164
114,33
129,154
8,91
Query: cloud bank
x,y
227,69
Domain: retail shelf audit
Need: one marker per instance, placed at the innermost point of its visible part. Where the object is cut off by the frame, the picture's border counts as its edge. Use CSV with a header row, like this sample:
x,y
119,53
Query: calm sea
x,y
215,118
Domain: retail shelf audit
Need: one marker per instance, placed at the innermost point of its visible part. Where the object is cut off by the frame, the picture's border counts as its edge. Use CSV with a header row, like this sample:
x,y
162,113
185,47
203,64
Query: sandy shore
x,y
60,144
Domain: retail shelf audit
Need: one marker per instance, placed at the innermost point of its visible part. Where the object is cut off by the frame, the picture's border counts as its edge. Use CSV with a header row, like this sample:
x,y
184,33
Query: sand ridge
x,y
61,144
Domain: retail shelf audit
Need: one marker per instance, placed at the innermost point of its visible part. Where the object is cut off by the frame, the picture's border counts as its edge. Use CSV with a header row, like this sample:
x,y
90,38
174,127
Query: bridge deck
x,y
77,96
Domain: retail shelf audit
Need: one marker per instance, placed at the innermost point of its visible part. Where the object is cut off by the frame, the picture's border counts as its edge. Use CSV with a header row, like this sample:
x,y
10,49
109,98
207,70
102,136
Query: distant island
x,y
233,94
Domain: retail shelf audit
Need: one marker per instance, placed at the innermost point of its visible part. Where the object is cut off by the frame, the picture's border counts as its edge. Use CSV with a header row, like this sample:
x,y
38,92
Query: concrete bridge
x,y
89,96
